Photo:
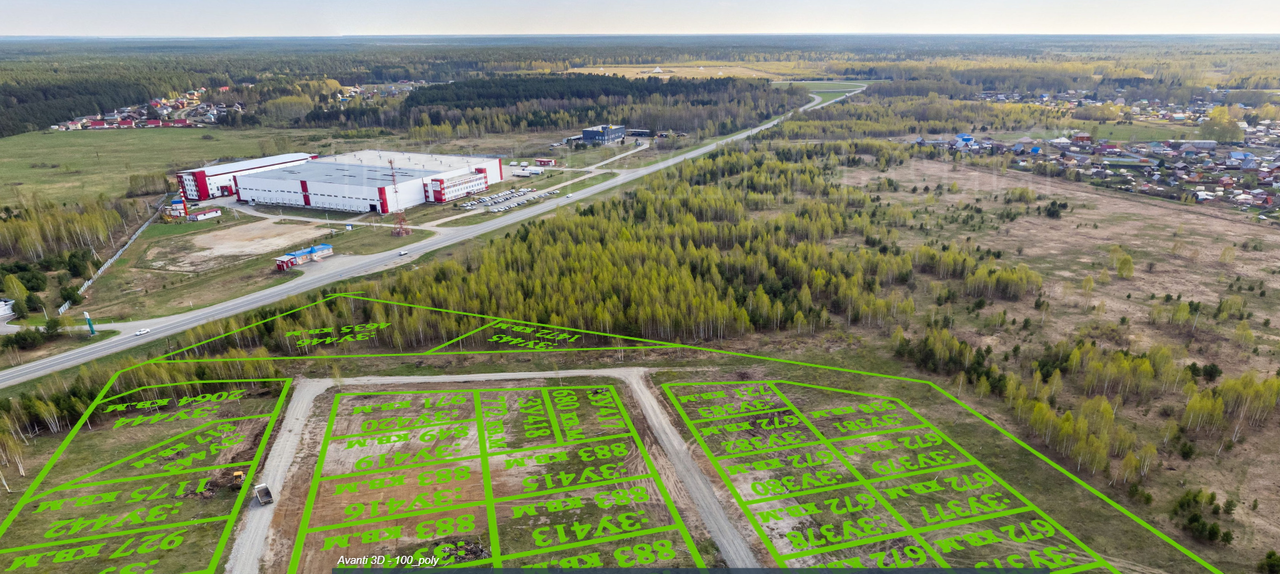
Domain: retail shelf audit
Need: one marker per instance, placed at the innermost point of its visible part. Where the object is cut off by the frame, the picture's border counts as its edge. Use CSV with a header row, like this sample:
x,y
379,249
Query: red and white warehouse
x,y
218,180
362,181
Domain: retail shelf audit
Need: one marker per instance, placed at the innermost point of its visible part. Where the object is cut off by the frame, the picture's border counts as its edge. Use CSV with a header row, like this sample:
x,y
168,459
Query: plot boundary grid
x,y
33,491
829,445
487,458
250,467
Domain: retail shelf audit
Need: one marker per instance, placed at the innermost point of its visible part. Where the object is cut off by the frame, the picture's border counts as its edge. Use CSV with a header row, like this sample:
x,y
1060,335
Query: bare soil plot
x,y
249,240
544,490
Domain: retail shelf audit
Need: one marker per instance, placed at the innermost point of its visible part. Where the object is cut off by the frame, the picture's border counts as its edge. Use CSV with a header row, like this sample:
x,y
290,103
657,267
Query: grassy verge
x,y
828,96
367,240
592,156
160,229
130,293
66,342
286,211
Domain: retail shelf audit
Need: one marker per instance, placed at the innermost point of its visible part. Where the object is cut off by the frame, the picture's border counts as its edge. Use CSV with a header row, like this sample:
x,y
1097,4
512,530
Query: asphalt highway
x,y
338,268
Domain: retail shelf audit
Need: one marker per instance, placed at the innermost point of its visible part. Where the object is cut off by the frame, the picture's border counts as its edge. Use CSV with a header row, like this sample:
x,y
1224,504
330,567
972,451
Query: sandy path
x,y
251,539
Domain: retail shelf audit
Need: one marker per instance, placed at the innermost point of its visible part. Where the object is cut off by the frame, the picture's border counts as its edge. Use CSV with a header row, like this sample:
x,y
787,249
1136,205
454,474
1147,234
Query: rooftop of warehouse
x,y
370,168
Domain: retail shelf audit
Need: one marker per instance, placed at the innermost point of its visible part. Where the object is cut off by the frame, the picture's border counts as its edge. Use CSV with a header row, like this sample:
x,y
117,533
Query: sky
x,y
486,17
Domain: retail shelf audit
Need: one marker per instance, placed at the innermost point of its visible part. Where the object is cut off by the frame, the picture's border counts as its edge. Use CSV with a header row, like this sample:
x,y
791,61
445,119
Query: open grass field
x,y
90,163
1138,132
654,153
591,156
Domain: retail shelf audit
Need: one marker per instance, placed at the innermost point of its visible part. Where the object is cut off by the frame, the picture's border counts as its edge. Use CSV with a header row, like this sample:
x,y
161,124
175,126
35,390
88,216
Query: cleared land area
x,y
180,266
1178,256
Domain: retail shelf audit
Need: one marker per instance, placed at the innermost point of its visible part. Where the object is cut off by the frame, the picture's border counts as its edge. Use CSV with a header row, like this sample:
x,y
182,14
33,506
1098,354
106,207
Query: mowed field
x,y
1138,132
90,163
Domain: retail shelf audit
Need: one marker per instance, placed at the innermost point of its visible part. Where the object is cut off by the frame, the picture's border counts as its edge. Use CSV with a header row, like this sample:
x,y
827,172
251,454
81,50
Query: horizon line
x,y
14,37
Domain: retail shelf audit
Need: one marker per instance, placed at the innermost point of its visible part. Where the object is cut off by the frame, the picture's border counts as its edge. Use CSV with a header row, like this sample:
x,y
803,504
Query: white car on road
x,y
141,332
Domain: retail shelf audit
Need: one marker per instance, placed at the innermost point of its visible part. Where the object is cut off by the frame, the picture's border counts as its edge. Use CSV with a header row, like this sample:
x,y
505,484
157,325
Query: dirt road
x,y
251,539
736,552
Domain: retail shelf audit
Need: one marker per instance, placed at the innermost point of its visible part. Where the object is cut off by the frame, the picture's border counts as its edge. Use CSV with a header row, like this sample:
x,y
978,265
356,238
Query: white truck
x,y
263,494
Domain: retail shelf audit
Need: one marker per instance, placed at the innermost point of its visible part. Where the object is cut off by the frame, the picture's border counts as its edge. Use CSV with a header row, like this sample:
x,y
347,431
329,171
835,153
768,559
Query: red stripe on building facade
x,y
202,186
306,196
439,192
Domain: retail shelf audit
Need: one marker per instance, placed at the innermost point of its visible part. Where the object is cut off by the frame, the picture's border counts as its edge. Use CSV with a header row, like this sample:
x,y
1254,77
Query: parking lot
x,y
507,200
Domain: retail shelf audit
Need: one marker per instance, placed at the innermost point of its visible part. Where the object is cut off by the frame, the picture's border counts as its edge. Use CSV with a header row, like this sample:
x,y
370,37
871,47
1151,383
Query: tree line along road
x,y
317,275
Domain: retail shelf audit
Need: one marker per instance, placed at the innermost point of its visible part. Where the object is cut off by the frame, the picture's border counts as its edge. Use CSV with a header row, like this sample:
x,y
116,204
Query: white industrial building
x,y
219,180
362,181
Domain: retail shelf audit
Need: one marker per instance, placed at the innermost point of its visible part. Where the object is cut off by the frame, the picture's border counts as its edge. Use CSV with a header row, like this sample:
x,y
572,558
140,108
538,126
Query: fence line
x,y
103,269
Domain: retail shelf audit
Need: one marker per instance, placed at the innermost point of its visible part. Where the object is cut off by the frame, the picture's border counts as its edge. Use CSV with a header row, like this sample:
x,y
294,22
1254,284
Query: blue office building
x,y
603,134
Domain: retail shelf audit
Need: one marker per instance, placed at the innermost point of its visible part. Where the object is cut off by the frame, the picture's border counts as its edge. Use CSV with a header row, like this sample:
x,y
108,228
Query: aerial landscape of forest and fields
x,y
297,304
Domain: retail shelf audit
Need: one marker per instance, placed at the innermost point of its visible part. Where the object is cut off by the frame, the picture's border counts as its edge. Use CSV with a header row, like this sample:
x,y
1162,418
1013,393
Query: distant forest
x,y
711,107
46,81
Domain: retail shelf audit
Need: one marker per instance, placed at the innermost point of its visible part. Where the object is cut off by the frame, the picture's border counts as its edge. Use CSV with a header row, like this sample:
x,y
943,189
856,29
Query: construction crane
x,y
400,230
